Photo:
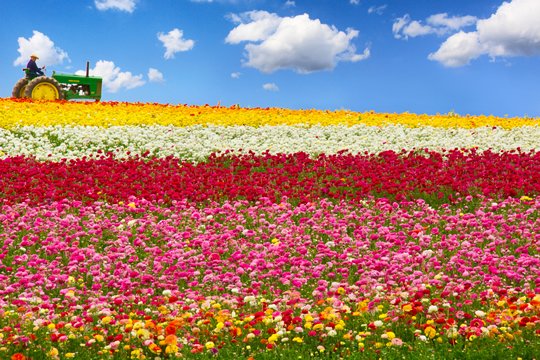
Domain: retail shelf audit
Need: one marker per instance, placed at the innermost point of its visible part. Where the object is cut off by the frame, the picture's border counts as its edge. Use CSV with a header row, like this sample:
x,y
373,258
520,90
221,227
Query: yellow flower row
x,y
22,113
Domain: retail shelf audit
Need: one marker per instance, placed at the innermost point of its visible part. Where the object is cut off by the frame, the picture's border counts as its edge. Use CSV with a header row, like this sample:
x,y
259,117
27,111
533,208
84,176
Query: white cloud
x,y
439,24
298,43
377,9
174,42
513,30
290,3
154,75
355,2
458,49
122,5
236,75
113,78
442,22
253,26
270,87
41,45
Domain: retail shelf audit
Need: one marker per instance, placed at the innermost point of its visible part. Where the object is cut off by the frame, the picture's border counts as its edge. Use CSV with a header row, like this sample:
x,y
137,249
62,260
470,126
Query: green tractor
x,y
58,86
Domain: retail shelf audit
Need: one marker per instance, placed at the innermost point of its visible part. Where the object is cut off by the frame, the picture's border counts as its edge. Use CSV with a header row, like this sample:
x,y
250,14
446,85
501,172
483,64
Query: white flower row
x,y
196,143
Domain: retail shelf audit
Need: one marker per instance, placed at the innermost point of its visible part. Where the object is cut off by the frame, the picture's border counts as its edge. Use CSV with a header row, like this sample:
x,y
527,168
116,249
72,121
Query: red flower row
x,y
403,175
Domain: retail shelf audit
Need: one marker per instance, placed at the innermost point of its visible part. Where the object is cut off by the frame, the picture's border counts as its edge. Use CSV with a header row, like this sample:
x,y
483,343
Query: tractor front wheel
x,y
44,88
18,89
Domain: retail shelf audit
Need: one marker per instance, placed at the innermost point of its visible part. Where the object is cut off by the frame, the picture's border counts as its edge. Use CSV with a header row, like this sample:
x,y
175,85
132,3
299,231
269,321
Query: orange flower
x,y
171,339
18,356
173,326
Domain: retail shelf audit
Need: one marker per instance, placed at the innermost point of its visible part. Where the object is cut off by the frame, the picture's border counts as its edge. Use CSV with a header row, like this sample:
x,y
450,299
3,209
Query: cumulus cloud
x,y
113,78
41,45
236,75
154,75
439,24
121,5
355,2
299,43
174,42
513,30
270,87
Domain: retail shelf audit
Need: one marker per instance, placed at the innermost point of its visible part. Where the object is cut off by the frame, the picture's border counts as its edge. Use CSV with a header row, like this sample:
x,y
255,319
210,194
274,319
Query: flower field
x,y
149,231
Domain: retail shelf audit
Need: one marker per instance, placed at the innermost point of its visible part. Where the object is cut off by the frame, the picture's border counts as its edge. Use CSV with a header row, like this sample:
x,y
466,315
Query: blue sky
x,y
420,56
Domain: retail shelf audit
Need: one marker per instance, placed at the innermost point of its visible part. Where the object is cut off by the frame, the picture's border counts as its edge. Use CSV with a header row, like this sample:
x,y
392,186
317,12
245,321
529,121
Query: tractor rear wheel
x,y
18,89
44,88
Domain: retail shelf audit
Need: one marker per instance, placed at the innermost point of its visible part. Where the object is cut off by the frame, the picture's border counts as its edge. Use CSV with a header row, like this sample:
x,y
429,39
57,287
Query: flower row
x,y
300,178
196,143
23,112
136,279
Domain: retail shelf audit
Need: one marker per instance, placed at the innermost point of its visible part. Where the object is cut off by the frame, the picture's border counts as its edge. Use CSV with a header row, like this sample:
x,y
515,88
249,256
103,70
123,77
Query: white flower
x,y
480,313
195,143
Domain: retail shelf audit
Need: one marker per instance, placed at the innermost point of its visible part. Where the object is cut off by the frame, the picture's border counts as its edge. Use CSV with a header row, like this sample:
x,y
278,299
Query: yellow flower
x,y
70,355
53,352
273,338
430,332
390,335
171,349
136,354
143,334
132,205
153,347
298,339
209,345
318,326
72,113
106,320
51,326
219,326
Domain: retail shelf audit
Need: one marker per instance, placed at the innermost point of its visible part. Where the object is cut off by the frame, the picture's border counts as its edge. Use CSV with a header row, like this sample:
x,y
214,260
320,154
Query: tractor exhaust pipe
x,y
87,68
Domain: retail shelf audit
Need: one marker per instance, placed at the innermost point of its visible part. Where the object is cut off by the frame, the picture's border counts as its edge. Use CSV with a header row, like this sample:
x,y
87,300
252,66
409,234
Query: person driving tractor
x,y
32,67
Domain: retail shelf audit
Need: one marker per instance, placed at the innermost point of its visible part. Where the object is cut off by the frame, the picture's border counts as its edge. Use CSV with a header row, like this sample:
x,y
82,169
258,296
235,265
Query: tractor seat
x,y
29,75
